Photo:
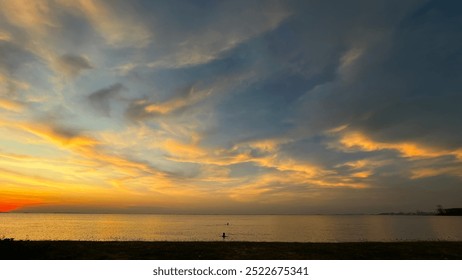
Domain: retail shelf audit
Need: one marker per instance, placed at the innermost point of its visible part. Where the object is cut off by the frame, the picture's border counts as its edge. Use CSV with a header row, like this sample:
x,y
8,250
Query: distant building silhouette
x,y
453,212
448,212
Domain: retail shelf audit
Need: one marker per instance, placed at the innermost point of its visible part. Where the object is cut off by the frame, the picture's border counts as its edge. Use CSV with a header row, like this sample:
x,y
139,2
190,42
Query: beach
x,y
224,250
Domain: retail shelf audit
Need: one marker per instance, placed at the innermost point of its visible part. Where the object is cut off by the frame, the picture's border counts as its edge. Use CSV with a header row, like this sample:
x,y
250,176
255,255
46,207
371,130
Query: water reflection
x,y
240,227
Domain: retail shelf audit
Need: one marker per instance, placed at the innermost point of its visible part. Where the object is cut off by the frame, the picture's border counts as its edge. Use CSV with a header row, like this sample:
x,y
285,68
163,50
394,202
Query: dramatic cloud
x,y
230,106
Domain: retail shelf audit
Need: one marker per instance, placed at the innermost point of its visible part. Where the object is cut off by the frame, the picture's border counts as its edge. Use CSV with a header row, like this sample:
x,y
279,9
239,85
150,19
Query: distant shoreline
x,y
141,250
184,214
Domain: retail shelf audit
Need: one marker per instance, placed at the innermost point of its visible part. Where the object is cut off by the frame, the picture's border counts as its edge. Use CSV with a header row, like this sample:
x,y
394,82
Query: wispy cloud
x,y
117,24
11,105
205,43
36,17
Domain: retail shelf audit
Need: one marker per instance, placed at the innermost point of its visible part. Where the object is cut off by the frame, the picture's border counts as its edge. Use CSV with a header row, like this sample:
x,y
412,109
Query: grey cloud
x,y
405,89
136,110
13,59
192,35
66,132
13,56
72,65
57,121
303,53
100,99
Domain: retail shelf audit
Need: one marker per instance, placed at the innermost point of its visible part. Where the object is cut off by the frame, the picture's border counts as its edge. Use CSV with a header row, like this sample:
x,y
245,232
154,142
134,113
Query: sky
x,y
230,107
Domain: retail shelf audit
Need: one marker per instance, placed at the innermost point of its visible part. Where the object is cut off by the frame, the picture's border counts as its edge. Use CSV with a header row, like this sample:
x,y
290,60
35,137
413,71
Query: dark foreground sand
x,y
70,250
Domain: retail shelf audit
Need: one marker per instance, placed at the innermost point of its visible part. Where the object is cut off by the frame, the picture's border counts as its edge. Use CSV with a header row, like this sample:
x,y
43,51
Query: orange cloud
x,y
144,108
23,190
430,172
287,164
4,36
187,150
269,157
285,186
11,105
281,169
35,16
362,174
18,190
359,141
84,146
61,138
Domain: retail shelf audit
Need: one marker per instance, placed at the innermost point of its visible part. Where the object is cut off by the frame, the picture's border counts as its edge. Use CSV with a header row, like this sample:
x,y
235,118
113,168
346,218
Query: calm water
x,y
240,228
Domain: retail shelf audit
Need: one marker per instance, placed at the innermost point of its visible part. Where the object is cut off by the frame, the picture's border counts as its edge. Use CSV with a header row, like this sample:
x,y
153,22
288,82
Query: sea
x,y
262,228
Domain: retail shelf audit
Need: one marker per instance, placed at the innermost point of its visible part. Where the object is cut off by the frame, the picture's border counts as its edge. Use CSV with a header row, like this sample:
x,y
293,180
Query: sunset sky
x,y
276,107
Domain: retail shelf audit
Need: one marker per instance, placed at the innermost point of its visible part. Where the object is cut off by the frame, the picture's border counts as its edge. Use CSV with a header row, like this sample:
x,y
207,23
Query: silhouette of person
x,y
224,235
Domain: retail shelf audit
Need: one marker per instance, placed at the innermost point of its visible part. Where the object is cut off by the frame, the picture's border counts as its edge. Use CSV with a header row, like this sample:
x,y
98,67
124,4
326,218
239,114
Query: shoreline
x,y
228,250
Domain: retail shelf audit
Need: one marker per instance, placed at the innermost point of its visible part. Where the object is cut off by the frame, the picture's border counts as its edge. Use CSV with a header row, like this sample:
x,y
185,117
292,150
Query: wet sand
x,y
138,250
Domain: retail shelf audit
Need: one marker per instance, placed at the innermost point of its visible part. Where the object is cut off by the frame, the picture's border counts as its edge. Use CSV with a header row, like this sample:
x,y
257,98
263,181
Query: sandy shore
x,y
135,250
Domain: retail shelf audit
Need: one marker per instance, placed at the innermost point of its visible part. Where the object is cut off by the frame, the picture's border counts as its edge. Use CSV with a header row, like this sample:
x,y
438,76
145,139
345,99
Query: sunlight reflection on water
x,y
297,228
